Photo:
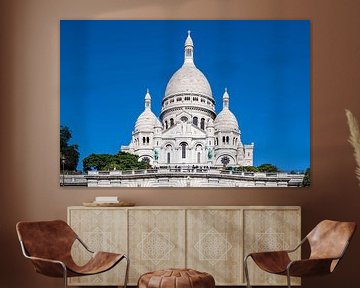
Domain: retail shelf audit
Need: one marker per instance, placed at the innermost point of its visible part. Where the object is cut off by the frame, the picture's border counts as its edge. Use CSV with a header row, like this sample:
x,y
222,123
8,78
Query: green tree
x,y
306,180
69,153
120,161
97,162
250,169
267,167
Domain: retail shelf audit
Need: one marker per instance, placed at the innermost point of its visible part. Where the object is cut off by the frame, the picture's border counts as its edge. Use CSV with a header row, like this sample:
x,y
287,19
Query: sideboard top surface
x,y
193,207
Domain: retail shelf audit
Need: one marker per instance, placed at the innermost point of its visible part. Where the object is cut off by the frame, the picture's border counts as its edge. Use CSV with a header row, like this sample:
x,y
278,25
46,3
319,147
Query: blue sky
x,y
106,67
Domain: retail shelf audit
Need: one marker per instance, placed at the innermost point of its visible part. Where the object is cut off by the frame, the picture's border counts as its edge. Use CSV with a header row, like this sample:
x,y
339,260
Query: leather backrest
x,y
46,239
329,238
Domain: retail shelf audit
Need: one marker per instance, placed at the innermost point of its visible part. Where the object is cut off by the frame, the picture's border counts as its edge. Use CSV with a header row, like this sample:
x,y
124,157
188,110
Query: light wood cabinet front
x,y
209,239
156,240
101,230
214,241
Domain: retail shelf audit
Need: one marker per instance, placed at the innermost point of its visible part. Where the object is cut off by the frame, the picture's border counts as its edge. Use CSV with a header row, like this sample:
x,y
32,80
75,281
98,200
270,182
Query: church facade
x,y
188,131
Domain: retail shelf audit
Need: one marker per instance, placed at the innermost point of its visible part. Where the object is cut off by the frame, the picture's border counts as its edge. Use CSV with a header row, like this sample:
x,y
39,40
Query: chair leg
x,y
65,276
246,270
288,278
126,271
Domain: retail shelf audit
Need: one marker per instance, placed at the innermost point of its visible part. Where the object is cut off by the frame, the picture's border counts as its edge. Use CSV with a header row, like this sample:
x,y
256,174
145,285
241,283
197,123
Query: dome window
x,y
198,157
202,123
171,122
227,139
184,119
223,139
168,158
195,121
166,124
144,140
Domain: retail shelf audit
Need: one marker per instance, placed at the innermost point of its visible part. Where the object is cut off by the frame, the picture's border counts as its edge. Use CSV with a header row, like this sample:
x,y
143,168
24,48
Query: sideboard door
x,y
156,240
270,229
214,244
101,230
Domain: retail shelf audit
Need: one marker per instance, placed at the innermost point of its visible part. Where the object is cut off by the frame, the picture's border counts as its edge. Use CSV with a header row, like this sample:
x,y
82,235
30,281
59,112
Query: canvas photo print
x,y
150,103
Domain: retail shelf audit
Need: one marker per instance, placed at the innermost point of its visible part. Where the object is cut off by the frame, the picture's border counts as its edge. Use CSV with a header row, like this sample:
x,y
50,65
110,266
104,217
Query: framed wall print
x,y
161,103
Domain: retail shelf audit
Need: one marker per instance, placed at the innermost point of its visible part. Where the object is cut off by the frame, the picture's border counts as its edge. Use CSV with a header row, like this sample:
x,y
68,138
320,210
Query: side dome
x,y
147,120
226,120
188,79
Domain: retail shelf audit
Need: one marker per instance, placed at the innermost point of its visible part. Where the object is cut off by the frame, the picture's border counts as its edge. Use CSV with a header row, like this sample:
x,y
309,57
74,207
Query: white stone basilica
x,y
189,133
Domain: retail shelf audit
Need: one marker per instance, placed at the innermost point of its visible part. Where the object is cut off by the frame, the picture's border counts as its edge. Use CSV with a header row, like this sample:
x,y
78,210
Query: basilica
x,y
188,132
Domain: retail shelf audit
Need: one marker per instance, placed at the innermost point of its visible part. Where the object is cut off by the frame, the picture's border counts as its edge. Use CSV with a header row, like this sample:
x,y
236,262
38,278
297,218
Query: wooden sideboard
x,y
212,239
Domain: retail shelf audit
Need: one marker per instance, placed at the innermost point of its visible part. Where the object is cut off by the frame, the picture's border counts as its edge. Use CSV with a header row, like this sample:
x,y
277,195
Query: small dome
x,y
226,121
147,121
188,79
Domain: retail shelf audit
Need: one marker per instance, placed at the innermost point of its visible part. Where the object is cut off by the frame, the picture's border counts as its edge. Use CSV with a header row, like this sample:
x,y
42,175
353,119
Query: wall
x,y
29,119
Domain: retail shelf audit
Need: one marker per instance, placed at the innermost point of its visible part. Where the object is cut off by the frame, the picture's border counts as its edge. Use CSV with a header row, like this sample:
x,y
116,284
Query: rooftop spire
x,y
226,98
189,50
147,99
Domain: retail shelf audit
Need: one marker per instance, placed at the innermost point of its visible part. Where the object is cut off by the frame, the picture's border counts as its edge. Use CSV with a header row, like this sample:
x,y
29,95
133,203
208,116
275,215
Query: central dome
x,y
188,79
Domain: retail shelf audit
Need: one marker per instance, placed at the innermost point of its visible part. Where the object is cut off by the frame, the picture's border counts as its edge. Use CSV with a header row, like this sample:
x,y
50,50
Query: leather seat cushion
x,y
176,278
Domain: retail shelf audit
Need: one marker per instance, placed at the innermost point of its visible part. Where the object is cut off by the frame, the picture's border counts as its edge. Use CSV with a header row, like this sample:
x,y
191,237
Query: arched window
x,y
202,124
171,122
168,158
198,157
227,139
166,124
146,160
143,140
183,150
223,139
225,160
195,121
147,140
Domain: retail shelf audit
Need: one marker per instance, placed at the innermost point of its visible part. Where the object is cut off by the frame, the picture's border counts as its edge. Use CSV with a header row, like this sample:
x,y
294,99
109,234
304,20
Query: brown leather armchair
x,y
48,245
328,242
